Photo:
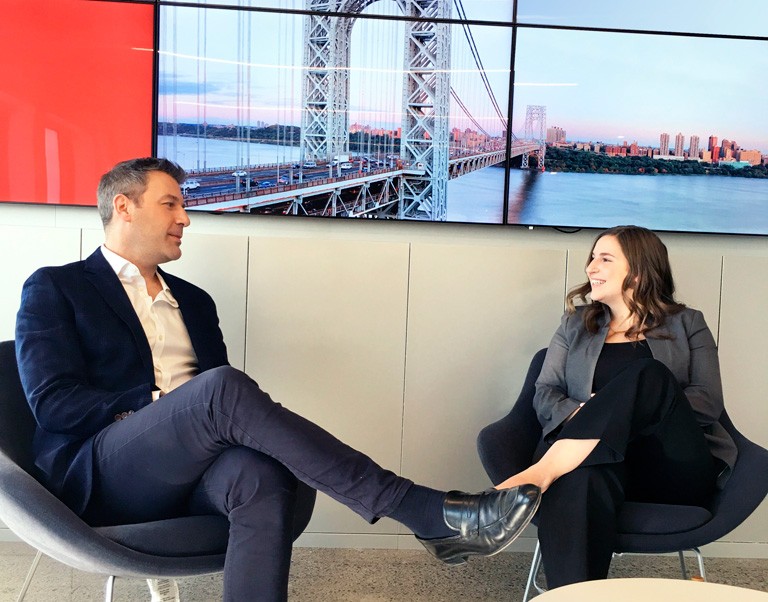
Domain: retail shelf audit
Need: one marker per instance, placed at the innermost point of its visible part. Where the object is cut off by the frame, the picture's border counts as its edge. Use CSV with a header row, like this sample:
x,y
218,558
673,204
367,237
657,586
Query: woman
x,y
629,398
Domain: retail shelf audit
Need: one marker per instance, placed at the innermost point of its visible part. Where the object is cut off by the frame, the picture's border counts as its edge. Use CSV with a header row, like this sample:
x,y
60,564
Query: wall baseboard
x,y
719,549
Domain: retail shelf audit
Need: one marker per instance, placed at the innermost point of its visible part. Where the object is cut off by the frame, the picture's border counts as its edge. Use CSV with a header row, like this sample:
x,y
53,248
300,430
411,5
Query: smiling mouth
x,y
596,282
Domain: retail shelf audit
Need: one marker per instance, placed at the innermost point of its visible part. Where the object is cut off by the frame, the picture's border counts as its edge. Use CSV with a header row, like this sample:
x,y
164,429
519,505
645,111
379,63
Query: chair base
x,y
109,587
533,574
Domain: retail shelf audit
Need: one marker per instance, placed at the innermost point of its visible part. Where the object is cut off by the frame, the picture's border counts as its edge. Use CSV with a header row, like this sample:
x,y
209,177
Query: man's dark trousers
x,y
218,444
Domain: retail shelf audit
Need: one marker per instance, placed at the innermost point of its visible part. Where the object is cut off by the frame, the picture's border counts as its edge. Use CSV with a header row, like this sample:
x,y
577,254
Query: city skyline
x,y
649,83
603,85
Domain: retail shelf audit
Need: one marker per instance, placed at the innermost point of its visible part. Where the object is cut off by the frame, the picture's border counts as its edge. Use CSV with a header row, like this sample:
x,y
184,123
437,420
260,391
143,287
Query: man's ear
x,y
122,207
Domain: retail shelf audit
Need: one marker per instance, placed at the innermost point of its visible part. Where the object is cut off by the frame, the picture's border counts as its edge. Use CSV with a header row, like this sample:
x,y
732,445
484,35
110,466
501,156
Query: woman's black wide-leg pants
x,y
651,449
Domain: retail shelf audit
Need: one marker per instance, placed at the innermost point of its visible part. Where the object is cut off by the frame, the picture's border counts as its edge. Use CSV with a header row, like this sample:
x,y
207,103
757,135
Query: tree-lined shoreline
x,y
580,161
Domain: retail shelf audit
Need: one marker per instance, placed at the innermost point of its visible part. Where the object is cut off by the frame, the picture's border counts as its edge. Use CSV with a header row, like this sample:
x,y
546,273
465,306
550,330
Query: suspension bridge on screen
x,y
413,185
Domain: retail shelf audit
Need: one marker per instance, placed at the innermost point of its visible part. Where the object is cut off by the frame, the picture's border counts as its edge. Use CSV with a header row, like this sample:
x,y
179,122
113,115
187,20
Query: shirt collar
x,y
128,273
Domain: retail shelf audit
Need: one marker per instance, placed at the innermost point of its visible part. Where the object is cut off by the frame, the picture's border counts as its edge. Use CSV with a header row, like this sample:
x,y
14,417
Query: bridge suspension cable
x,y
478,61
464,108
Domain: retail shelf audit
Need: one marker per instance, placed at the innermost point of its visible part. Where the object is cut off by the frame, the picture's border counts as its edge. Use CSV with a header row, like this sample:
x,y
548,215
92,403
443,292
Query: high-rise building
x,y
679,143
693,148
753,157
664,144
555,134
712,143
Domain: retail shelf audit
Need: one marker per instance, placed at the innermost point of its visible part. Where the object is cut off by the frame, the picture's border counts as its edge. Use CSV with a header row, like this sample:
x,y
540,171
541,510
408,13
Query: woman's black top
x,y
615,357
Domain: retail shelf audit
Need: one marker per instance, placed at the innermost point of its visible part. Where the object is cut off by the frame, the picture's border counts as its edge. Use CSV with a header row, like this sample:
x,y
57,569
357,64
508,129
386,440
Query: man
x,y
140,417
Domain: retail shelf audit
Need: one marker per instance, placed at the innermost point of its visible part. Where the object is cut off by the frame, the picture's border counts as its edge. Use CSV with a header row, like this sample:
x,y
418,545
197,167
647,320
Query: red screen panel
x,y
75,95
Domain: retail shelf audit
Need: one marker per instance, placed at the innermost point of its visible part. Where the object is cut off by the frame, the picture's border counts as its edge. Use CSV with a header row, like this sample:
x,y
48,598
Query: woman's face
x,y
607,271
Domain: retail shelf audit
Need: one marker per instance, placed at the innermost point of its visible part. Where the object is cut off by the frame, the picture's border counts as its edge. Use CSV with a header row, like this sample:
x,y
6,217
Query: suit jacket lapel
x,y
99,273
189,305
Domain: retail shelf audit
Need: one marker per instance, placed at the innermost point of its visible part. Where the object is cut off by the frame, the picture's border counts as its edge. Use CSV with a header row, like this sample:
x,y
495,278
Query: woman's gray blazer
x,y
690,354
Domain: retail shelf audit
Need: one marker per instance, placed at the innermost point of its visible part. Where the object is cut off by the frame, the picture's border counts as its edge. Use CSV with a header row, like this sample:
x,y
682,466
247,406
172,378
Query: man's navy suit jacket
x,y
84,358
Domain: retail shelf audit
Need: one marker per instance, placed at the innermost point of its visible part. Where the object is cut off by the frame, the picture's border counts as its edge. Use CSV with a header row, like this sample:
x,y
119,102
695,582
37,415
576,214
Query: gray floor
x,y
346,575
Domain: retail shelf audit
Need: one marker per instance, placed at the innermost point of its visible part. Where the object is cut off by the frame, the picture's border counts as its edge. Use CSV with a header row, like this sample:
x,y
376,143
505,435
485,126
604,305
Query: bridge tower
x,y
536,131
325,86
426,102
426,96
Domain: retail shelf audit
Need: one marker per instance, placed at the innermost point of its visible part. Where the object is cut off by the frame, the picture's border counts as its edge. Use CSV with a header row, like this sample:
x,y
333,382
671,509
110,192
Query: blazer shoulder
x,y
574,320
60,273
179,283
691,313
689,316
684,322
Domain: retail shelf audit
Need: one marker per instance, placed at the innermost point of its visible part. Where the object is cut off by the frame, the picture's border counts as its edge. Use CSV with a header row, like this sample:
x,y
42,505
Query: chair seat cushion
x,y
642,518
177,537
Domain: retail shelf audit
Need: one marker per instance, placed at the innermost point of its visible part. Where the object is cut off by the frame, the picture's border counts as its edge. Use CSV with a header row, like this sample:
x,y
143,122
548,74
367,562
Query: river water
x,y
662,202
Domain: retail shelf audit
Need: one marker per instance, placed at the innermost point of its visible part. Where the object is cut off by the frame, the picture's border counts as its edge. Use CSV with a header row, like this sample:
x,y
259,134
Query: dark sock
x,y
421,510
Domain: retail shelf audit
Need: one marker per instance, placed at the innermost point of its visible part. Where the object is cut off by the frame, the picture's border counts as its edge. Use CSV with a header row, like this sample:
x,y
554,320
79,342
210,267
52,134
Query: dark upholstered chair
x,y
507,446
192,545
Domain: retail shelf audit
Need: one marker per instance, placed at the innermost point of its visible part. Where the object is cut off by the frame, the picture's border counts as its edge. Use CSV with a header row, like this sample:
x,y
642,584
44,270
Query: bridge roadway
x,y
259,198
315,186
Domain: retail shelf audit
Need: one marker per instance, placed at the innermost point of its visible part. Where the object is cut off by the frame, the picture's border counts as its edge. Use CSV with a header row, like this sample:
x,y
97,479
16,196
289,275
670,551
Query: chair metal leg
x,y
109,588
30,574
536,566
533,574
699,559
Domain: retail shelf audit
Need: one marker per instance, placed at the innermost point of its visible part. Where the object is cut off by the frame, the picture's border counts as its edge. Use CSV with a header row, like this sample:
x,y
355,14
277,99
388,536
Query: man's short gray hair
x,y
130,178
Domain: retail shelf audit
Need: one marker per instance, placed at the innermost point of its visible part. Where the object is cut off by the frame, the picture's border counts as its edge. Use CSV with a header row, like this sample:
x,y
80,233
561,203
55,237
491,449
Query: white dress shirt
x,y
174,359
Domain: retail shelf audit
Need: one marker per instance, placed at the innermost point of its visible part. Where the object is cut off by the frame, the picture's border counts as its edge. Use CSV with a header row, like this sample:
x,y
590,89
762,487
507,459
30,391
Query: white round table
x,y
653,590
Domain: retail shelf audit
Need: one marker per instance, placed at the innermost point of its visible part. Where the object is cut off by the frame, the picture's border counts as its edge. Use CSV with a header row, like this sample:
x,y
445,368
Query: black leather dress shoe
x,y
486,522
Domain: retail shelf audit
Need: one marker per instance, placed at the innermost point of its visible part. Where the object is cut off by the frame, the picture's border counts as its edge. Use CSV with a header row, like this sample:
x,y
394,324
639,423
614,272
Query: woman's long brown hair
x,y
649,290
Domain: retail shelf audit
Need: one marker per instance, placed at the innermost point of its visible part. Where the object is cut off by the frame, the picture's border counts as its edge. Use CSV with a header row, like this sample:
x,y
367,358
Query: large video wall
x,y
545,113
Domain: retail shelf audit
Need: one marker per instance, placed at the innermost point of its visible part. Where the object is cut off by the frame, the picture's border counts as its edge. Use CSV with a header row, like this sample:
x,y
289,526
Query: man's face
x,y
157,221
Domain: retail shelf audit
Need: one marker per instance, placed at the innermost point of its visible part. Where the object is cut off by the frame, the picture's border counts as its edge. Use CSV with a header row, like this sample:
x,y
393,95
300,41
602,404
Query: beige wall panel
x,y
326,337
476,316
697,278
23,250
31,236
218,264
744,363
27,215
